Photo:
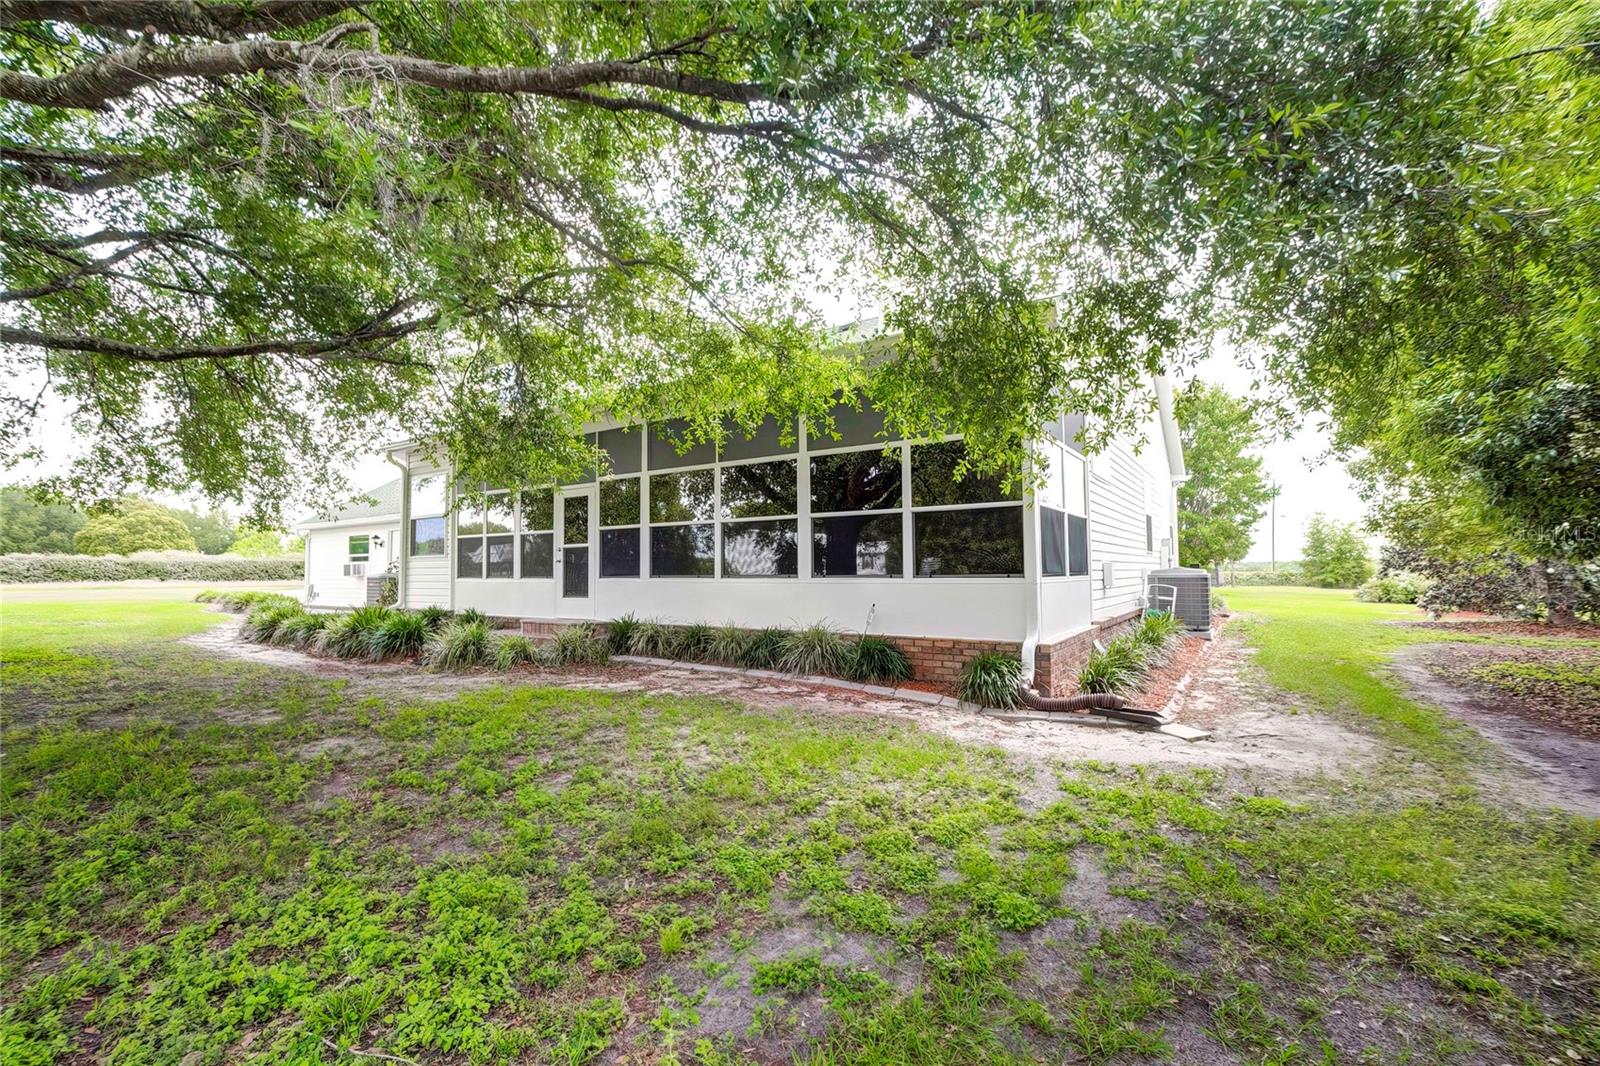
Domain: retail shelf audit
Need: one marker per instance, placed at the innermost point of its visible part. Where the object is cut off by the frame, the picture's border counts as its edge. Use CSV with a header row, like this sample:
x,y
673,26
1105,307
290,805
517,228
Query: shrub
x,y
578,645
878,660
300,630
389,595
1402,586
472,614
817,649
691,643
727,644
205,595
458,645
265,618
1156,635
1115,671
433,616
400,634
239,601
143,566
619,634
763,648
512,649
350,635
990,680
651,638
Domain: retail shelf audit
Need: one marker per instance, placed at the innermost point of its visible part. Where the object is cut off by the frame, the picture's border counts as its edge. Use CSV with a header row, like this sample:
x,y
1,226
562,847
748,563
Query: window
x,y
966,527
934,482
757,490
359,549
469,556
682,551
427,536
855,481
469,537
685,497
486,544
767,439
969,542
428,527
1052,542
501,560
497,513
863,425
621,448
619,526
1077,545
682,533
856,498
1063,529
536,523
764,548
864,545
760,528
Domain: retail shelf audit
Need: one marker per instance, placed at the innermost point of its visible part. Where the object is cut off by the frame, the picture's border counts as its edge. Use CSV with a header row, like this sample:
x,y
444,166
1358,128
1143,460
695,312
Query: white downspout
x,y
403,594
1031,607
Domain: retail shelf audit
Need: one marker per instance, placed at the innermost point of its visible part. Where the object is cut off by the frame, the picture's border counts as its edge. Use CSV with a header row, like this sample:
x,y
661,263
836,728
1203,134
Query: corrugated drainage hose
x,y
1085,702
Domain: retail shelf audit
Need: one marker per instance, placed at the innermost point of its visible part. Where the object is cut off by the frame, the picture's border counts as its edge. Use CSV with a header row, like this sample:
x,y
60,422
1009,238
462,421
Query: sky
x,y
1310,480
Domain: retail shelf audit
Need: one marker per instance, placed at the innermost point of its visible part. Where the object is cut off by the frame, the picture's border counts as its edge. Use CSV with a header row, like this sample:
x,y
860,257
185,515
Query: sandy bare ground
x,y
1543,764
1253,730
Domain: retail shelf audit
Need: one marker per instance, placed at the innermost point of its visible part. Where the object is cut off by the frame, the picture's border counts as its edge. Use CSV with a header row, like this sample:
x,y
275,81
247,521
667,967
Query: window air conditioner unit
x,y
355,569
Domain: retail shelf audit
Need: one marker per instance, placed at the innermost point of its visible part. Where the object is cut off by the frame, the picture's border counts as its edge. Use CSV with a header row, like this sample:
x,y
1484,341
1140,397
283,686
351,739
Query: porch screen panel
x,y
470,521
856,528
760,525
619,527
536,524
964,524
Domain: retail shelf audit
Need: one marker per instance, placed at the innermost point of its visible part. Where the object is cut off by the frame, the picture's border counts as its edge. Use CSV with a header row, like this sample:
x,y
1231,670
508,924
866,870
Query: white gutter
x,y
1169,430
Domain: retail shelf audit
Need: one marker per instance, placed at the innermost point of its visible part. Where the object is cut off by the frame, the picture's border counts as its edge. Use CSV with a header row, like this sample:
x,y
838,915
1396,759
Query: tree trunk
x,y
1560,593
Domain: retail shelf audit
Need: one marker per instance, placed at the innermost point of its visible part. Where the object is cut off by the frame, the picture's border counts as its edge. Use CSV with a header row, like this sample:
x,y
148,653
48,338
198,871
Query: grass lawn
x,y
206,860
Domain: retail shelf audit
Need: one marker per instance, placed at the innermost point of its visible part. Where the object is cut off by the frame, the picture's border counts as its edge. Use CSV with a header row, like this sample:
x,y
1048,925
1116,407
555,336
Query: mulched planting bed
x,y
1550,685
1164,681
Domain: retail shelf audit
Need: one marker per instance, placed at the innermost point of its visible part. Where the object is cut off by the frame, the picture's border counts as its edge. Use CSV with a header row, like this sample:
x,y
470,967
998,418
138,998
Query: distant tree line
x,y
29,525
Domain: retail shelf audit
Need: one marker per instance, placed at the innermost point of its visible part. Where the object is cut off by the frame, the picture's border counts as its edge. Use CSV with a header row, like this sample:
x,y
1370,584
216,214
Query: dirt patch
x,y
1479,626
338,747
1524,681
1548,765
1253,728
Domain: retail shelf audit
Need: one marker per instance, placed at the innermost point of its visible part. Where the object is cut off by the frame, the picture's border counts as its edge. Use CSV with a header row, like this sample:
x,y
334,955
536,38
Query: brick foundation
x,y
1056,666
540,629
939,660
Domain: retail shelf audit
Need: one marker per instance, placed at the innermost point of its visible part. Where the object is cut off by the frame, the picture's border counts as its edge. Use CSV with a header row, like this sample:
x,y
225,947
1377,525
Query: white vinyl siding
x,y
1124,490
327,554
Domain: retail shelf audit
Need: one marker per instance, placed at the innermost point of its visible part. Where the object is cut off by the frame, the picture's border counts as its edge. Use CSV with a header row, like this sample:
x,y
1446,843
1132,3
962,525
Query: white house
x,y
873,535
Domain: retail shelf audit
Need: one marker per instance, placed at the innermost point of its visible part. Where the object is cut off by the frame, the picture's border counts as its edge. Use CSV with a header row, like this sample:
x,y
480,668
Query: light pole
x,y
1273,504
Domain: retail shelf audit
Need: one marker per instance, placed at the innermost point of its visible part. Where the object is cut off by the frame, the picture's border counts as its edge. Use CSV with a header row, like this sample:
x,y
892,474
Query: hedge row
x,y
20,569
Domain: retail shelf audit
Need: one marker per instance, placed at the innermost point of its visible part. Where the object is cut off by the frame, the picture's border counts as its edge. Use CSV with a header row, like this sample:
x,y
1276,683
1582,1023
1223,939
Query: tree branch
x,y
59,168
216,21
330,349
118,74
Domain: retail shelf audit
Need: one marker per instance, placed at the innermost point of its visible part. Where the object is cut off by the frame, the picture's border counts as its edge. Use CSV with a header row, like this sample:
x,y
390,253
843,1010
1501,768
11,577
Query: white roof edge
x,y
365,520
